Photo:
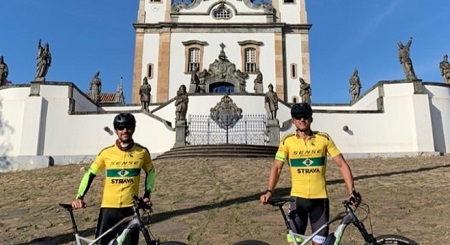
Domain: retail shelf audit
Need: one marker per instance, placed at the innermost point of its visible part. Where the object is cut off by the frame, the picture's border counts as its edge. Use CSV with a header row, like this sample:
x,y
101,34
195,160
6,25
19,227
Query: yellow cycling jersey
x,y
122,174
307,161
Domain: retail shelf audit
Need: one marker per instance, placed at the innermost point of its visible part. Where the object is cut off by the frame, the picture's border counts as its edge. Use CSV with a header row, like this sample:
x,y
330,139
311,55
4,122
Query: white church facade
x,y
52,123
174,39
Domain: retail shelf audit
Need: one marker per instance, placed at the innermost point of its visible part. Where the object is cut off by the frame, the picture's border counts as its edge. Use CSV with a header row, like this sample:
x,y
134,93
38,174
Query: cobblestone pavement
x,y
215,201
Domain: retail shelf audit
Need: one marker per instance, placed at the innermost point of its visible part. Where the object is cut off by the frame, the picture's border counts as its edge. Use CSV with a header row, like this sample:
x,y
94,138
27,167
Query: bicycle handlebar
x,y
140,203
355,200
279,201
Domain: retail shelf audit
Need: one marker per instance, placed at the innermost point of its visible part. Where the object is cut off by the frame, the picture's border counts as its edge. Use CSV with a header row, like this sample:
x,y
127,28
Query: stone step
x,y
223,150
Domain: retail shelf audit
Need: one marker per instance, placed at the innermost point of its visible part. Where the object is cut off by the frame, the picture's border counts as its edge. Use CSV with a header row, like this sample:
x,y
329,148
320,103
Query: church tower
x,y
226,43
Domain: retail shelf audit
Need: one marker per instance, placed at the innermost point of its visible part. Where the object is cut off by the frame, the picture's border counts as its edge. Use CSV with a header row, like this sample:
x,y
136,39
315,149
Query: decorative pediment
x,y
223,71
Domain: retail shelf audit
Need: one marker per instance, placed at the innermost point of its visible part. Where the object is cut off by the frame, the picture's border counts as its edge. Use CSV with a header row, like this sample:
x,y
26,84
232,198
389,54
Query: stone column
x,y
180,132
273,131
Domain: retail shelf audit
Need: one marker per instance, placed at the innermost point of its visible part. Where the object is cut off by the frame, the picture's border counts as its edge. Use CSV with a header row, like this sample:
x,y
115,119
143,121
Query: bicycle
x,y
348,216
134,222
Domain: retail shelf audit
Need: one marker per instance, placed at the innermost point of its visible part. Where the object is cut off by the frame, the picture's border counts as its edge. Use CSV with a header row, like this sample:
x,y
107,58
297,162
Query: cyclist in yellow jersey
x,y
122,164
306,153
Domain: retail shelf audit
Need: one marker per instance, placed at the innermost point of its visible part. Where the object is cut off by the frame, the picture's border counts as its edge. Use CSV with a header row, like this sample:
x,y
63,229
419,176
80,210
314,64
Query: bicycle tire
x,y
394,239
172,243
251,242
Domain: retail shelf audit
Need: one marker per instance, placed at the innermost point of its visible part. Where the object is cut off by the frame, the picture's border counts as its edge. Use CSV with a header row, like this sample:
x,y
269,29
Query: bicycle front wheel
x,y
394,239
250,242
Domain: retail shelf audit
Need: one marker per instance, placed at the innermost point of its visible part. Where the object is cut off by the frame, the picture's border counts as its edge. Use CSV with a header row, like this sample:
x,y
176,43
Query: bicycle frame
x,y
134,221
347,217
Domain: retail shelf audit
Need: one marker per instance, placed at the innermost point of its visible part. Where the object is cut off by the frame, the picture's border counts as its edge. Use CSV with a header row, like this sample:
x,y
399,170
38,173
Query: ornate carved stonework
x,y
226,113
264,5
176,7
224,72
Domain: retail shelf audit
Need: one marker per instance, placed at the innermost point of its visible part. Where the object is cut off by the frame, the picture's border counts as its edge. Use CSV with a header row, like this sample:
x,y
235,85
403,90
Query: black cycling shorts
x,y
109,217
316,210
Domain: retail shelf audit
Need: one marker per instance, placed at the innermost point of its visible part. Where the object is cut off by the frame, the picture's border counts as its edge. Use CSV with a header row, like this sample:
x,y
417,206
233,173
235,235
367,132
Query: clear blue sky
x,y
87,36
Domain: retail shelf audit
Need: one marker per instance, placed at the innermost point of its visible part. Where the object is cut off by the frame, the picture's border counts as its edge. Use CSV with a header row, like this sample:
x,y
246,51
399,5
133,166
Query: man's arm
x,y
149,182
345,171
274,175
85,183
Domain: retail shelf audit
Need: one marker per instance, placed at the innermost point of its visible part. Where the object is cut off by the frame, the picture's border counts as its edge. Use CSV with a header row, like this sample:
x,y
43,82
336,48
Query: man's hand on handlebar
x,y
266,196
355,198
143,202
78,203
147,201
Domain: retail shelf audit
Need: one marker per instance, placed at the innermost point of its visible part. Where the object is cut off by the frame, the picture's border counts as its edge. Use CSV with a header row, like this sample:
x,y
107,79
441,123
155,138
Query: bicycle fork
x,y
368,237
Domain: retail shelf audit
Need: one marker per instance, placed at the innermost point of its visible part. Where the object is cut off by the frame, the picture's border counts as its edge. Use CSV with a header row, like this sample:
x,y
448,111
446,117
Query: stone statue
x,y
96,88
195,82
181,104
202,78
355,86
258,83
3,72
44,58
271,103
305,91
144,92
405,60
444,65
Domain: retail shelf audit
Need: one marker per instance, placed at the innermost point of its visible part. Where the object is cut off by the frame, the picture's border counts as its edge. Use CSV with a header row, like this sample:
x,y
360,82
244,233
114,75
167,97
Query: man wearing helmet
x,y
306,153
122,163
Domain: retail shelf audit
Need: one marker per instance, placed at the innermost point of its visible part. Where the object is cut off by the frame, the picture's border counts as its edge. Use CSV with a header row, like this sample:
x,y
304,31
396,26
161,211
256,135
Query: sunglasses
x,y
299,117
122,127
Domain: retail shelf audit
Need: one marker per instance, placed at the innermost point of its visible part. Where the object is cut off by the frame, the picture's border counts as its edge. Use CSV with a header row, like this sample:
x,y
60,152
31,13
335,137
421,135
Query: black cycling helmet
x,y
124,119
301,109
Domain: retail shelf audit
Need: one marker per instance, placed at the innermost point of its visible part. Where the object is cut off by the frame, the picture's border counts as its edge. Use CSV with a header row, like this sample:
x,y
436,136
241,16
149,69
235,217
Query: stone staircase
x,y
225,150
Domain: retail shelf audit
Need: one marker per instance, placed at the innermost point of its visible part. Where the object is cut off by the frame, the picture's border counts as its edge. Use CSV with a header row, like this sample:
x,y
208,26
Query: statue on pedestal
x,y
258,83
3,72
355,86
444,65
195,82
405,60
181,104
44,58
144,92
96,88
305,91
271,103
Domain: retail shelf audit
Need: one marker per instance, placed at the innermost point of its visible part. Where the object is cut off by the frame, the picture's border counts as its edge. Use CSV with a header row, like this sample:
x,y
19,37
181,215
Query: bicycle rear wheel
x,y
250,242
394,239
